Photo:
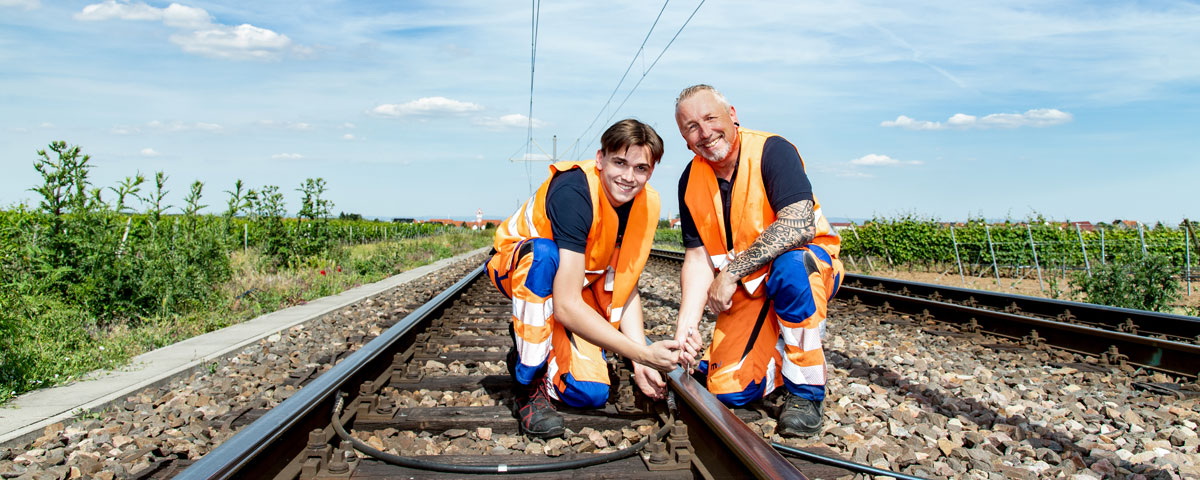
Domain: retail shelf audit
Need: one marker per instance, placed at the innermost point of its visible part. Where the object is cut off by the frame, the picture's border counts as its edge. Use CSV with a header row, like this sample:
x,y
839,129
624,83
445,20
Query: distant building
x,y
839,226
1083,226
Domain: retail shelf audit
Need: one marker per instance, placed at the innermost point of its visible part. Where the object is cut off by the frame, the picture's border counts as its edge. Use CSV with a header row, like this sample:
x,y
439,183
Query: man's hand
x,y
689,340
662,355
650,381
720,293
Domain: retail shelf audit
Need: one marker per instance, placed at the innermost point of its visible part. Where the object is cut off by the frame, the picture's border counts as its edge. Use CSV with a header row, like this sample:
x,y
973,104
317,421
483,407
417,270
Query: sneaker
x,y
536,414
801,416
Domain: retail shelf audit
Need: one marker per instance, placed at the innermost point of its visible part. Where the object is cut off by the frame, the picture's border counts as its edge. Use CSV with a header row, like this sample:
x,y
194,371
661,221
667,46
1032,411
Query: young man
x,y
748,213
570,259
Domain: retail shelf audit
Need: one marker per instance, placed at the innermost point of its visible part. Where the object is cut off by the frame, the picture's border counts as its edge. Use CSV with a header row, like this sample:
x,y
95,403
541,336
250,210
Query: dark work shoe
x,y
536,414
800,417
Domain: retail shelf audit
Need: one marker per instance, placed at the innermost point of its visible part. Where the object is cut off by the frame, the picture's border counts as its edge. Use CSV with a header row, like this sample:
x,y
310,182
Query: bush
x,y
669,235
1144,284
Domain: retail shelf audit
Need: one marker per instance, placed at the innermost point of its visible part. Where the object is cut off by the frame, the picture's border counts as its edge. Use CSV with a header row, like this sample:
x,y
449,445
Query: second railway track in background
x,y
1154,341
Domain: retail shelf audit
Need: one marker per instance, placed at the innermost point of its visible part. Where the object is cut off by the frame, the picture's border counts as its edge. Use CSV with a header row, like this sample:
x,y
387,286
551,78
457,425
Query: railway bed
x,y
432,397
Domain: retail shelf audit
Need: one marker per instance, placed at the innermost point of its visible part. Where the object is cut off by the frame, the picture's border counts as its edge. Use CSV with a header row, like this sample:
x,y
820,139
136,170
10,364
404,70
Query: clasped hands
x,y
720,299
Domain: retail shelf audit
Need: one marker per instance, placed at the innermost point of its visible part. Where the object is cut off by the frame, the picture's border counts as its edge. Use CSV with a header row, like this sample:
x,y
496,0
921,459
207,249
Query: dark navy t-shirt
x,y
569,207
783,178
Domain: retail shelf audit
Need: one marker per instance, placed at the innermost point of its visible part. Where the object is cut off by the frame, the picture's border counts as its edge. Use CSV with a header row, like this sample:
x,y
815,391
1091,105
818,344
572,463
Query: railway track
x,y
1117,336
429,398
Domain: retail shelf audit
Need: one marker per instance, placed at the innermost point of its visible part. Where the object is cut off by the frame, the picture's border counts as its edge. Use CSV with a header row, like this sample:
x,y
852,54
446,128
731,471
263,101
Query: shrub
x,y
1145,284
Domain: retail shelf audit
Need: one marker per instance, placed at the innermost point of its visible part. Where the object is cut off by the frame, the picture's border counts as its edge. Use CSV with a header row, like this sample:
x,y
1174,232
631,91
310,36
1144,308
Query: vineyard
x,y
1119,264
1009,247
88,267
1036,244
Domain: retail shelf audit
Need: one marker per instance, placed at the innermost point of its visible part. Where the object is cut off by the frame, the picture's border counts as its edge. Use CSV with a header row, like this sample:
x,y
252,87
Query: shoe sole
x,y
792,432
552,433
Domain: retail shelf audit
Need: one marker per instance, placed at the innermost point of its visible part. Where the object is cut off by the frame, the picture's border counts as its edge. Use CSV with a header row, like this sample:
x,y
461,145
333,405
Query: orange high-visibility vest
x,y
619,267
750,211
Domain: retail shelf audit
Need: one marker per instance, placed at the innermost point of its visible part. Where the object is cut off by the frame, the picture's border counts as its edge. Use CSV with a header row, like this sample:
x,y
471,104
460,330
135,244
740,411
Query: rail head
x,y
762,460
251,447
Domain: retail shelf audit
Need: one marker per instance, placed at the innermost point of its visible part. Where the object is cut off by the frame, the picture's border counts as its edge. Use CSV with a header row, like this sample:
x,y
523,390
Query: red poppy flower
x,y
322,272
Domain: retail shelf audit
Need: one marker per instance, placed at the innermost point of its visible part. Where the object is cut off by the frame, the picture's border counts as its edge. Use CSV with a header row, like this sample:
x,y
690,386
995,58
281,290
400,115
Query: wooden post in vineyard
x,y
995,269
245,237
1086,264
1035,258
957,259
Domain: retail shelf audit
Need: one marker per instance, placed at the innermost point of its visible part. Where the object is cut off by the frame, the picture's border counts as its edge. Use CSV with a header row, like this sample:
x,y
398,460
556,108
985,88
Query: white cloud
x,y
25,4
243,42
347,125
348,136
180,16
428,106
1038,117
512,120
911,124
287,156
1041,117
46,125
110,9
876,160
198,33
149,152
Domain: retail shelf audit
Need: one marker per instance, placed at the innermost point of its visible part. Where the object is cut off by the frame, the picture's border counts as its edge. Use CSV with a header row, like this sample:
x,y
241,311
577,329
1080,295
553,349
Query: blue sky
x,y
1071,110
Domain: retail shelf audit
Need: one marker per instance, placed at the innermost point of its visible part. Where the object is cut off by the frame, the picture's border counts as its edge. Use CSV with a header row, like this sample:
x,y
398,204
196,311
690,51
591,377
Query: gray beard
x,y
719,154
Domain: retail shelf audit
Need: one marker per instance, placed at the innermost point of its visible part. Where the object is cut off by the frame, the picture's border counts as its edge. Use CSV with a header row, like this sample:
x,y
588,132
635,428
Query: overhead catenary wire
x,y
536,8
623,75
646,71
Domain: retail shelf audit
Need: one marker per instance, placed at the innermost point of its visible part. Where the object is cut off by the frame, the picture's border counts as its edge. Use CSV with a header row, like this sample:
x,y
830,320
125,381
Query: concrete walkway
x,y
25,418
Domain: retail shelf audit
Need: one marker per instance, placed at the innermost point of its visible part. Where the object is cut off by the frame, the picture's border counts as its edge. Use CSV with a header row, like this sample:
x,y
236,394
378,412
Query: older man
x,y
760,254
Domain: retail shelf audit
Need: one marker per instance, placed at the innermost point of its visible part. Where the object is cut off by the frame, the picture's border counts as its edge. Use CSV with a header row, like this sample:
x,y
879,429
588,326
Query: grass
x,y
59,343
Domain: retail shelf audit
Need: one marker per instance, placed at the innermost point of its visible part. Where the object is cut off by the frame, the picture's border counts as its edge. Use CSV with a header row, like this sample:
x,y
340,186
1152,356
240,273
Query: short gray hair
x,y
697,88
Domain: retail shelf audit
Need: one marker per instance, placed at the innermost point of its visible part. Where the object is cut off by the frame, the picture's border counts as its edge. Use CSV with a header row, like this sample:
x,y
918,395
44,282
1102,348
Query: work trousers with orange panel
x,y
775,338
575,368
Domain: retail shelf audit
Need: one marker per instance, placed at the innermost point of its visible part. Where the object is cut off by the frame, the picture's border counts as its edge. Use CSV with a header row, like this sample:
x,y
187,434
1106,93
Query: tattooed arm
x,y
793,227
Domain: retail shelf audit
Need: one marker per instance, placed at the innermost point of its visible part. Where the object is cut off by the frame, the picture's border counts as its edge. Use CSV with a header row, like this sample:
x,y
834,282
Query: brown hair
x,y
632,133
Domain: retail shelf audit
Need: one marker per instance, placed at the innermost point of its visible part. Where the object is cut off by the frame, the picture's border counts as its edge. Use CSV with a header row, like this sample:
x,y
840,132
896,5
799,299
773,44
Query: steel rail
x,y
266,446
1180,327
722,433
1176,358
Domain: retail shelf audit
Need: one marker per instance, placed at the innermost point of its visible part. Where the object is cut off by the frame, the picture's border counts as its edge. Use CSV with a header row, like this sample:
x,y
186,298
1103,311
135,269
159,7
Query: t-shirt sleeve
x,y
783,174
569,207
691,235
